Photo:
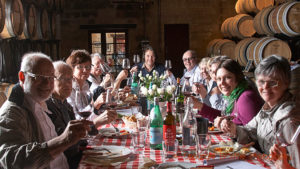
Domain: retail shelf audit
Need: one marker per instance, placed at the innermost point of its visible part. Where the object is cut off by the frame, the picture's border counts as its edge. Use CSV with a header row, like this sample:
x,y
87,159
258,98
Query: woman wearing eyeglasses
x,y
279,112
81,63
242,101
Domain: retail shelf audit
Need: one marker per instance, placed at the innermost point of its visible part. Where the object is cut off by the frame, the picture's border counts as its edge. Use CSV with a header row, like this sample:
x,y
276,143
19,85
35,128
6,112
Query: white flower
x,y
173,87
140,74
161,77
165,76
169,90
155,73
150,77
147,75
144,90
154,87
150,92
160,91
142,78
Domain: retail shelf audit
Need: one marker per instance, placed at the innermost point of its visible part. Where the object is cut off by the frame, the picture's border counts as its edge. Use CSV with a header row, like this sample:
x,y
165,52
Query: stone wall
x,y
203,16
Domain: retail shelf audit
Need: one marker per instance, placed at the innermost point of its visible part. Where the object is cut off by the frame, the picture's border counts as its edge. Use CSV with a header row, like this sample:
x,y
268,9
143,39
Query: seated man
x,y
28,138
62,112
192,71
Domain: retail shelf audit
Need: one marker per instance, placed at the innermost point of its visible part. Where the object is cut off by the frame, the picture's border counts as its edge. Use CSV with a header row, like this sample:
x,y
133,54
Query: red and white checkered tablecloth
x,y
136,160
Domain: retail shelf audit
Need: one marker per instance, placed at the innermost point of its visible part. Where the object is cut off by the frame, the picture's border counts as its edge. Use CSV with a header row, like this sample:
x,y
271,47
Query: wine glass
x,y
187,89
168,64
126,64
105,68
84,104
136,59
284,141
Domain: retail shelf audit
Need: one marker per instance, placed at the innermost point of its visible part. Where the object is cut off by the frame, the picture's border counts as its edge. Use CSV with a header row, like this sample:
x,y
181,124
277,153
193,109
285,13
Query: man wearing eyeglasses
x,y
28,138
191,71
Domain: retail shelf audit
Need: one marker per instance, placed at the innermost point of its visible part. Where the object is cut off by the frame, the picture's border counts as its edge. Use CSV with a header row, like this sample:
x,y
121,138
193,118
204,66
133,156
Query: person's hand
x,y
202,90
100,100
197,104
134,69
106,117
107,78
75,130
122,75
227,126
168,73
279,156
217,121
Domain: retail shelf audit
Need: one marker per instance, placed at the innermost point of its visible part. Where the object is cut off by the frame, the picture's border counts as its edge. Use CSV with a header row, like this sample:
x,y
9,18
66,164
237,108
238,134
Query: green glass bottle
x,y
156,126
179,100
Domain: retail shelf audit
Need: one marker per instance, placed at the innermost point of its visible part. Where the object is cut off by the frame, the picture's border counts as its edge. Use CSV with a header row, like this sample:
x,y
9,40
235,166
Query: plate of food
x,y
111,132
214,130
105,155
228,147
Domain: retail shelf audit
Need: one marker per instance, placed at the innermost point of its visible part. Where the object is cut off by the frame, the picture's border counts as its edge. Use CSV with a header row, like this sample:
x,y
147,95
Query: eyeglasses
x,y
87,67
270,83
63,79
187,59
97,68
38,77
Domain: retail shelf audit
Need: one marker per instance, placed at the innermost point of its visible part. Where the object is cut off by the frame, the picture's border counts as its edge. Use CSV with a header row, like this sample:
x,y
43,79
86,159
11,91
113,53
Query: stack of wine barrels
x,y
221,47
255,18
29,19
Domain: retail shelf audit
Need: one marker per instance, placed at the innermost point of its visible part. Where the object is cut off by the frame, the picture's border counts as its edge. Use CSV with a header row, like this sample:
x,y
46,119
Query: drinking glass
x,y
84,105
126,64
136,59
168,64
282,140
170,149
138,139
187,89
203,143
105,68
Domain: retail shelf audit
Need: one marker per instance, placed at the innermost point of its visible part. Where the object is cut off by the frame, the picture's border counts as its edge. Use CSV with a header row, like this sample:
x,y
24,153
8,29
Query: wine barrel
x,y
224,47
6,88
240,51
43,26
14,19
261,4
243,26
53,27
261,22
263,47
29,30
59,5
2,15
210,46
285,19
295,82
225,27
49,4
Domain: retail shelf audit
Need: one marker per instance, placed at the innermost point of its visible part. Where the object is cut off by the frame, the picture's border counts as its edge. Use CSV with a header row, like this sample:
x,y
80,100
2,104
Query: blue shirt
x,y
157,67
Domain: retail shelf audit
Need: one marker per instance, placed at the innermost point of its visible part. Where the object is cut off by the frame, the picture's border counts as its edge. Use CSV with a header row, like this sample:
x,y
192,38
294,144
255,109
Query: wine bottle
x,y
134,84
179,100
156,126
169,127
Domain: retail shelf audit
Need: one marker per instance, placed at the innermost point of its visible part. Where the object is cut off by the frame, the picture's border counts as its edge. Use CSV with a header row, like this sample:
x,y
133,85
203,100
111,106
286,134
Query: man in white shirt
x,y
28,138
192,71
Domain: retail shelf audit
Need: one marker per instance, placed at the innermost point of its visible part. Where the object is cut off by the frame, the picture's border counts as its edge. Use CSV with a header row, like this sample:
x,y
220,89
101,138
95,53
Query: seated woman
x,y
62,111
208,87
273,76
243,102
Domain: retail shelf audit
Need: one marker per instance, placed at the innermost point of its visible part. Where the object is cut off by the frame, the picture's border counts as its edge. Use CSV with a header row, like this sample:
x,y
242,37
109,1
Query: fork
x,y
117,130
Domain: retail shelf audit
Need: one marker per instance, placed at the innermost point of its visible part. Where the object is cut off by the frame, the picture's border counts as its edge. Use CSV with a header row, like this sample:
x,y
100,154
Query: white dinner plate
x,y
233,149
106,155
111,132
216,130
177,165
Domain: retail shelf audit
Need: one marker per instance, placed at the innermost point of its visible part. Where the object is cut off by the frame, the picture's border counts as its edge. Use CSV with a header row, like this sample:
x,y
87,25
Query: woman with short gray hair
x,y
279,113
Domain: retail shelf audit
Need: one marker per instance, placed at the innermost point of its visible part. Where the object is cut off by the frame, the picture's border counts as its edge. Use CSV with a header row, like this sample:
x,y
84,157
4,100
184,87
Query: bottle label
x,y
169,132
186,136
156,135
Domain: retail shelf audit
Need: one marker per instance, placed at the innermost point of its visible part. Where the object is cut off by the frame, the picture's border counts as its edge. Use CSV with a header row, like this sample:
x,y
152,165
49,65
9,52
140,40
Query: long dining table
x,y
137,159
